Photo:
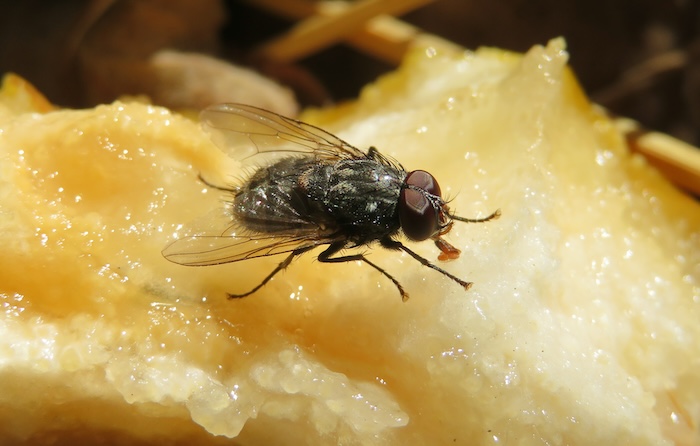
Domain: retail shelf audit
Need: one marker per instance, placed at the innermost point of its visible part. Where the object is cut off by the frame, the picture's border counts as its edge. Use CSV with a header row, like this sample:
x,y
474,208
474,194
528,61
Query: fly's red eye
x,y
417,211
423,180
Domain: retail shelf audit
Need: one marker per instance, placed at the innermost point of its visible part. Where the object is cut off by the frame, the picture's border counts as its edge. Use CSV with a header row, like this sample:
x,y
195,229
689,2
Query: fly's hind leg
x,y
334,248
283,264
214,186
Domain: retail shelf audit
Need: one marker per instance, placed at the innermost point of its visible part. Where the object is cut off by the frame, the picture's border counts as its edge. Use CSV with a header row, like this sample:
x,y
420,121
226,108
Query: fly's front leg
x,y
334,248
398,246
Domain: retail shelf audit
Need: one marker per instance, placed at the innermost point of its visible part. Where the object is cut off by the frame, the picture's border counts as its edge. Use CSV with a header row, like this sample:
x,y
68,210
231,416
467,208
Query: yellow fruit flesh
x,y
581,327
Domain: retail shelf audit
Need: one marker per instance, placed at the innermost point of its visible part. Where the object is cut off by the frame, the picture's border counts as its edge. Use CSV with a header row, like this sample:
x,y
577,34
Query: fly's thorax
x,y
362,196
314,180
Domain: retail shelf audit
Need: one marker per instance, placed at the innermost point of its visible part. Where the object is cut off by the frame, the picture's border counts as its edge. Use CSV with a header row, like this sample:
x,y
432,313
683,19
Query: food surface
x,y
581,326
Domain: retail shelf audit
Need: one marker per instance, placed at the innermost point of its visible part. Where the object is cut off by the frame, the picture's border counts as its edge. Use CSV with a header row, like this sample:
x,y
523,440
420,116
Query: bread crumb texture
x,y
582,326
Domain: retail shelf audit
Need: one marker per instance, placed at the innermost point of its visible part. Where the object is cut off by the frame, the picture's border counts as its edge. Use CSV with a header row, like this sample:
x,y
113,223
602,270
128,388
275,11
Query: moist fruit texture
x,y
581,327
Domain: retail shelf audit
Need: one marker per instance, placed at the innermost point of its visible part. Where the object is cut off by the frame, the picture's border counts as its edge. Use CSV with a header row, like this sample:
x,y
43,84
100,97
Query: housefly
x,y
311,189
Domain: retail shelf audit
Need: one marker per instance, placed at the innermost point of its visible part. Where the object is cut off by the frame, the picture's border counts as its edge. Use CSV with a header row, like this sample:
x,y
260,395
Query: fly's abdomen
x,y
276,200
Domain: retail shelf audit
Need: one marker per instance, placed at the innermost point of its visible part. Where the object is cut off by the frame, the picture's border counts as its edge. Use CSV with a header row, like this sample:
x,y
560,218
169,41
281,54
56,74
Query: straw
x,y
369,26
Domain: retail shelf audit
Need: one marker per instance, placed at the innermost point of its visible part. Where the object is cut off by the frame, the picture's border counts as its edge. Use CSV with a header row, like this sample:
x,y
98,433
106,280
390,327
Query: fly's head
x,y
424,214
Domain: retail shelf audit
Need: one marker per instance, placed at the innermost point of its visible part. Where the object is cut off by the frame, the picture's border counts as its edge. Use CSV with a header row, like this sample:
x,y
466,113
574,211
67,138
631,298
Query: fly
x,y
312,189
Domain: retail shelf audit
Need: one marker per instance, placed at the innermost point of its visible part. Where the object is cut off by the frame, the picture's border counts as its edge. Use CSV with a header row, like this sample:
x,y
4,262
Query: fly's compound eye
x,y
418,209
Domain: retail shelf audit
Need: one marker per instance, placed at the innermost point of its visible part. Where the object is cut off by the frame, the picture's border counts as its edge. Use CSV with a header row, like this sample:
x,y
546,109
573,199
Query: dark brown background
x,y
639,58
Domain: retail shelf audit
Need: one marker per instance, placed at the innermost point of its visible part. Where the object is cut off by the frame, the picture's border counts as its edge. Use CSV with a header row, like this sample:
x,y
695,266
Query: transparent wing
x,y
246,133
203,250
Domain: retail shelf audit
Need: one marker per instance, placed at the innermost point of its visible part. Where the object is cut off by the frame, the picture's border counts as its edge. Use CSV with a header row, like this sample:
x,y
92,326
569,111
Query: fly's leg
x,y
493,216
334,248
373,153
398,246
214,186
284,264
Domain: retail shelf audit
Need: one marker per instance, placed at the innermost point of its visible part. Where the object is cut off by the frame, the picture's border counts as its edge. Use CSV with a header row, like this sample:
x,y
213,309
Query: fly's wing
x,y
219,239
249,133
203,250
